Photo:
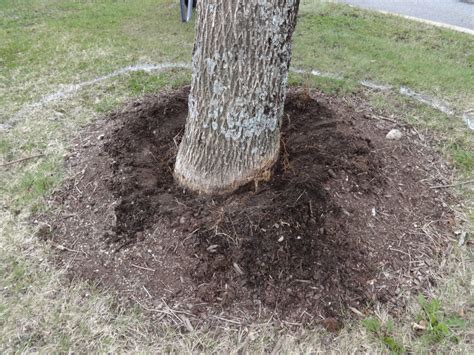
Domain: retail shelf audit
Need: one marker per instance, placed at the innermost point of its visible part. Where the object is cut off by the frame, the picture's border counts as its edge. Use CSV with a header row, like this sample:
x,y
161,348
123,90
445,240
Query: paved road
x,y
452,12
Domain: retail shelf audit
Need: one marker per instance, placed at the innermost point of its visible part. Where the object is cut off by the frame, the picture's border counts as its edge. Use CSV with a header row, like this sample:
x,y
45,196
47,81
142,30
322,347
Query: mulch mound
x,y
347,220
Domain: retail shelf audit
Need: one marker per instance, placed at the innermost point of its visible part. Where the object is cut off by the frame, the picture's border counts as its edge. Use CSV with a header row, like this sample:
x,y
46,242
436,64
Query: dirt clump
x,y
347,219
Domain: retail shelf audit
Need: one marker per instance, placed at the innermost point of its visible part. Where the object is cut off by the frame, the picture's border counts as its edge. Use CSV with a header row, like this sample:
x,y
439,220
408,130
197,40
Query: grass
x,y
383,332
363,45
438,326
432,328
47,44
142,82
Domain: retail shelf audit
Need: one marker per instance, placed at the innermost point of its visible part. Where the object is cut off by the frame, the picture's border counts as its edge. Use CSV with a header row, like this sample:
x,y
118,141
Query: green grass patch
x,y
68,41
142,82
46,43
366,45
327,85
32,183
438,326
463,158
15,273
5,148
384,332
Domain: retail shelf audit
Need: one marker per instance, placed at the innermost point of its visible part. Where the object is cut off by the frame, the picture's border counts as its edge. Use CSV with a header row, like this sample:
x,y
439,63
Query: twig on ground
x,y
356,311
143,268
21,160
148,293
227,320
388,119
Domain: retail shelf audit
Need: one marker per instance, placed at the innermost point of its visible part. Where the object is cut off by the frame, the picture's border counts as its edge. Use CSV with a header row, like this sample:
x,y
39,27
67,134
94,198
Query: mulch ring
x,y
349,218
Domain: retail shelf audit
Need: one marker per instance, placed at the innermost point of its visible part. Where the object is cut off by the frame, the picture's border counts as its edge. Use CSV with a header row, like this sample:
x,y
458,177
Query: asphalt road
x,y
452,12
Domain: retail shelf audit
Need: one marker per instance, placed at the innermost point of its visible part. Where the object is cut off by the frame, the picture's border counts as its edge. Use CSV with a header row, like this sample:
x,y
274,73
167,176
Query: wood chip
x,y
356,311
238,269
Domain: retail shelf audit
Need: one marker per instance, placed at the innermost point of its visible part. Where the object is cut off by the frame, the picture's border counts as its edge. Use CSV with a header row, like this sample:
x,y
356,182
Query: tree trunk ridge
x,y
241,59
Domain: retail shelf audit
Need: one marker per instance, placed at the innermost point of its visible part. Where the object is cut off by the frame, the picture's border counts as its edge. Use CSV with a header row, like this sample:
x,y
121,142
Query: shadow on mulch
x,y
348,218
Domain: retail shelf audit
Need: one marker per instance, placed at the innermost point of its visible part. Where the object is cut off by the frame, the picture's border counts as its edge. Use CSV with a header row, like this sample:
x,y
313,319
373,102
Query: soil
x,y
348,219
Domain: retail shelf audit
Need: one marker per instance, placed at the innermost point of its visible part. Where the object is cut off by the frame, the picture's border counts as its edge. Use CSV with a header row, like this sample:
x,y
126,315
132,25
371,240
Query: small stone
x,y
100,137
282,238
394,134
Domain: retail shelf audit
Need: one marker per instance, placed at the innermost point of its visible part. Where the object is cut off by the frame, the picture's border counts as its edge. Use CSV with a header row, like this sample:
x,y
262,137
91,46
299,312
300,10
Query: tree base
x,y
188,178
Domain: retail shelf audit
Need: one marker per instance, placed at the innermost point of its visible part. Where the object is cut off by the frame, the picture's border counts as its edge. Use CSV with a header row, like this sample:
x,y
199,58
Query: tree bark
x,y
240,64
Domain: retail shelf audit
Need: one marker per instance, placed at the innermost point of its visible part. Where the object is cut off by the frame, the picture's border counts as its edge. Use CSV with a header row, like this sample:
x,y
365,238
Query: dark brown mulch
x,y
348,218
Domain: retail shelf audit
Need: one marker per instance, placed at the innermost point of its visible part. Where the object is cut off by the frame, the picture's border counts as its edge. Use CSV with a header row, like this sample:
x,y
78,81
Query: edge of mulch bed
x,y
347,220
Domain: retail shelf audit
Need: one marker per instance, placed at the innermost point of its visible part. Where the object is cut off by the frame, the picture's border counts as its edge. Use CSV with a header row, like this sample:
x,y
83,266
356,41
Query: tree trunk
x,y
241,58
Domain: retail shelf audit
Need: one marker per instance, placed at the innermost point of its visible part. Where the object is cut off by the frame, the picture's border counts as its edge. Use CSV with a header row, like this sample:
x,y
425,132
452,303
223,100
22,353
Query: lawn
x,y
48,45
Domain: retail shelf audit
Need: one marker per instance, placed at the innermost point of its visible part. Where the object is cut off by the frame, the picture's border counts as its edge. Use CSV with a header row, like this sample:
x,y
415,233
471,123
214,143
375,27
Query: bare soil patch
x,y
347,220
